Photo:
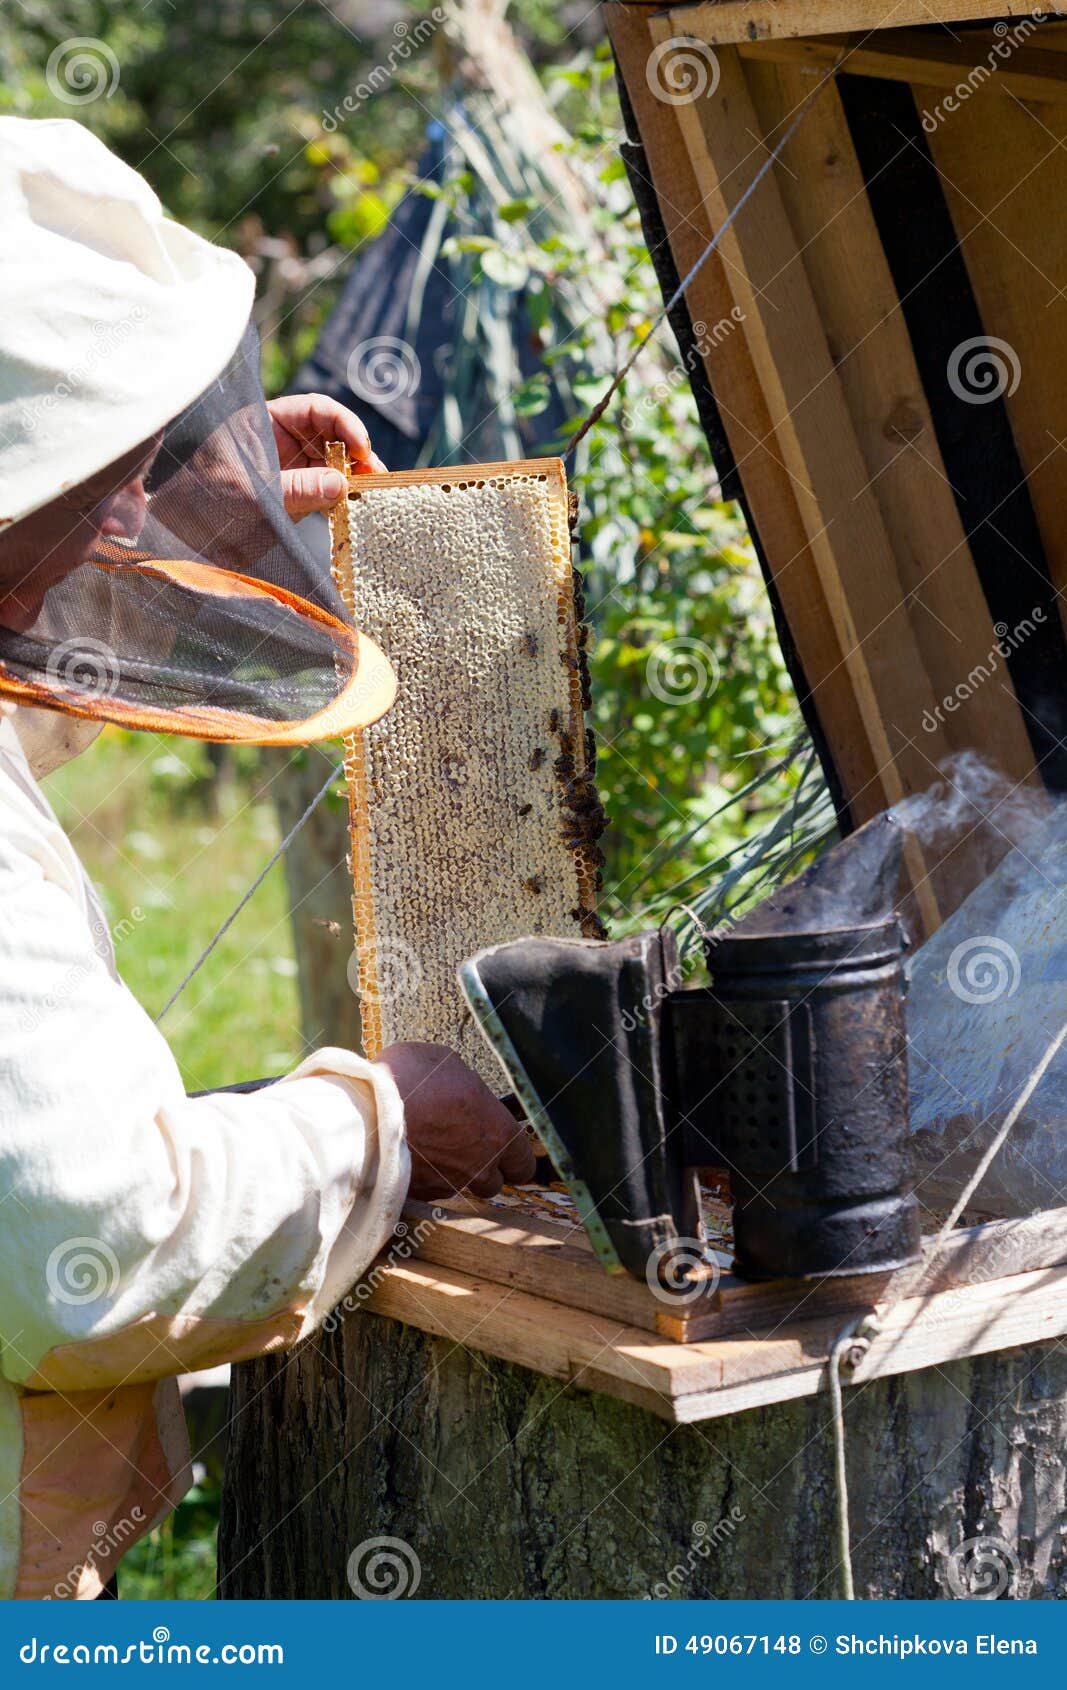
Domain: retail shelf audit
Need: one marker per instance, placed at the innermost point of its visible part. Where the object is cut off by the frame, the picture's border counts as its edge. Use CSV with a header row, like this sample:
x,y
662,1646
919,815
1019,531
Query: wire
x,y
851,1345
617,380
334,775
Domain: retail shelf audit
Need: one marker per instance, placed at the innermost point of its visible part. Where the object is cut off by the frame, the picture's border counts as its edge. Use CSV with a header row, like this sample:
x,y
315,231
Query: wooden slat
x,y
901,55
731,21
693,1382
1004,173
557,1263
768,485
529,1255
816,435
971,1256
918,1333
823,191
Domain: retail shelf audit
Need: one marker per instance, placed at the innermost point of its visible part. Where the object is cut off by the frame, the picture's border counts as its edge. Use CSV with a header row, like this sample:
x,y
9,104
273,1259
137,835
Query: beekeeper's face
x,y
45,547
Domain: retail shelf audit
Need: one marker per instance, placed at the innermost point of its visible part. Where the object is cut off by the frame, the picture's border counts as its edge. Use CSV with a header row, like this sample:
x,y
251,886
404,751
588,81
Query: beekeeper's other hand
x,y
459,1134
303,423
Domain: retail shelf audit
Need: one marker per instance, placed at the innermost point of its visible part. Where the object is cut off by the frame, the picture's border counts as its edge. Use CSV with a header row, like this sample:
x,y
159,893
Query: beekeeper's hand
x,y
303,423
459,1134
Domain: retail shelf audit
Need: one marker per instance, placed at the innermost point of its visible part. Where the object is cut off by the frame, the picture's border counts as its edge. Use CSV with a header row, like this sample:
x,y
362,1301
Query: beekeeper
x,y
144,1233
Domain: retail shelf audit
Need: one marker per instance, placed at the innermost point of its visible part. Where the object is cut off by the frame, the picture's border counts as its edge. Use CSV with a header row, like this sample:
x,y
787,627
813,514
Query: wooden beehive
x,y
879,350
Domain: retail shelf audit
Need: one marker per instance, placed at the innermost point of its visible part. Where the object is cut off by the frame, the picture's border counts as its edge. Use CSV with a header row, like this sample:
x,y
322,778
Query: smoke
x,y
986,992
972,807
954,834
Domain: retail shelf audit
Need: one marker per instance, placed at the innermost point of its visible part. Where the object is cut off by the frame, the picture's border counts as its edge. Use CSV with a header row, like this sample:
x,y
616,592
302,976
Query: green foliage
x,y
224,105
693,706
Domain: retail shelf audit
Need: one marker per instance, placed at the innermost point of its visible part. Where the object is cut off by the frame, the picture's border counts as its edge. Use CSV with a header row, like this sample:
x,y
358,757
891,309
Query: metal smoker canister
x,y
810,1099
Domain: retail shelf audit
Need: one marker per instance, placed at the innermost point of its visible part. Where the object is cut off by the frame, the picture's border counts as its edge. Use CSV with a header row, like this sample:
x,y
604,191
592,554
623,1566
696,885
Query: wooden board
x,y
702,1381
731,374
909,571
823,191
726,21
555,1262
1029,73
816,435
1004,171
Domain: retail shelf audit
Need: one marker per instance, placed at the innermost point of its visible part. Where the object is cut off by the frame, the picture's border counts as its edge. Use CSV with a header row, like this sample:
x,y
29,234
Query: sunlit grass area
x,y
172,842
176,1562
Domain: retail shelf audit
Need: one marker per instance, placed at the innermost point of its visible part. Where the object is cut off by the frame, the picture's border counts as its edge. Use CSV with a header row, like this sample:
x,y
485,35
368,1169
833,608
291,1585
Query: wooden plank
x,y
901,55
566,1343
557,1264
823,190
812,424
1004,173
997,1250
918,1333
729,21
528,1255
691,1382
727,360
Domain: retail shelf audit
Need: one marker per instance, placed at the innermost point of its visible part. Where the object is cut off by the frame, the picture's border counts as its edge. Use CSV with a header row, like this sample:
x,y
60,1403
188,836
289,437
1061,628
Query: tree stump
x,y
499,1482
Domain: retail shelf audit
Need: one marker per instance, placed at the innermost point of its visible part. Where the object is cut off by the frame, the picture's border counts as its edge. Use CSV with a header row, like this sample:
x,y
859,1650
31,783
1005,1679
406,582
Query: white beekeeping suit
x,y
142,1233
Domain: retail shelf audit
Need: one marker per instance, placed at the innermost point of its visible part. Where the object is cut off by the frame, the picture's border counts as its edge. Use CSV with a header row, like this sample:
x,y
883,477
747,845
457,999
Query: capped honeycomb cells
x,y
474,814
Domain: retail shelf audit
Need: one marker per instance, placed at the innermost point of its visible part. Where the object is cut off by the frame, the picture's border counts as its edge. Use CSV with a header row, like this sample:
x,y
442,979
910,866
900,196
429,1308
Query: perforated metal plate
x,y
763,1057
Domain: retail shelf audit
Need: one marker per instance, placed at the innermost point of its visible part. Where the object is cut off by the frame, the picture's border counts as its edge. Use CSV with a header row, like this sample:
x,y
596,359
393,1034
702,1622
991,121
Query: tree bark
x,y
502,1483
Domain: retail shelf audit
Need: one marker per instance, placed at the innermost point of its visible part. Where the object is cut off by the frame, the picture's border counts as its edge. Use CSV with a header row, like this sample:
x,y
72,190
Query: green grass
x,y
177,1561
171,849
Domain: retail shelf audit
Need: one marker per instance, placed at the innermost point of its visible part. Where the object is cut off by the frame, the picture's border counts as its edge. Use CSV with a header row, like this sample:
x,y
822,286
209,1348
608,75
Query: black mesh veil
x,y
174,592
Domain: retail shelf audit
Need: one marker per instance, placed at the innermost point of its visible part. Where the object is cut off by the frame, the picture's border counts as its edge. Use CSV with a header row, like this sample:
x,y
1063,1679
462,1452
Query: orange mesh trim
x,y
366,695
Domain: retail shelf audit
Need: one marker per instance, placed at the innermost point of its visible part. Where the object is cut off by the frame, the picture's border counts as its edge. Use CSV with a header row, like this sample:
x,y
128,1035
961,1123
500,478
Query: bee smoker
x,y
789,1071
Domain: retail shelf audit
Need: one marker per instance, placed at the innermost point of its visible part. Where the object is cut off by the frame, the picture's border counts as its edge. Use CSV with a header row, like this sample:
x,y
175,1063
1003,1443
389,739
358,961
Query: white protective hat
x,y
113,318
189,605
